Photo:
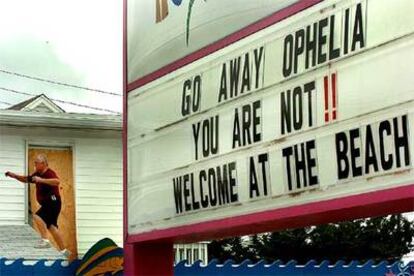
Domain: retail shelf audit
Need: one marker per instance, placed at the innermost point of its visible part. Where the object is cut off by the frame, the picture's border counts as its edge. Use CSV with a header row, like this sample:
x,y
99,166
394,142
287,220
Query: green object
x,y
103,257
190,8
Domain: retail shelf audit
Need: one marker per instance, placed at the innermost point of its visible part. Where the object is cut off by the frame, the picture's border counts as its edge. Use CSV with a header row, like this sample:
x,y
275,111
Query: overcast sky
x,y
73,41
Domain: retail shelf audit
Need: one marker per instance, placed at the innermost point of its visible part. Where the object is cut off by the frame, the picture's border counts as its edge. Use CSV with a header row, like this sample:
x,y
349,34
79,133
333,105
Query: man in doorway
x,y
47,194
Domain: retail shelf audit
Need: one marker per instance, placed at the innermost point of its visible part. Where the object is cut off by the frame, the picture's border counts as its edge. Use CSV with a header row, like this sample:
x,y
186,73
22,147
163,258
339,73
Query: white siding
x,y
98,180
12,193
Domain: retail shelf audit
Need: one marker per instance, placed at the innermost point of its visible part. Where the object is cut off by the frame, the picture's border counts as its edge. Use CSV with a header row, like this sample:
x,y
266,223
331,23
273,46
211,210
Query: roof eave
x,y
61,120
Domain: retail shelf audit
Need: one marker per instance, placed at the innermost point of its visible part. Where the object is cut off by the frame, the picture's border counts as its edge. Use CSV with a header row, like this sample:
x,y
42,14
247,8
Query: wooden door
x,y
60,160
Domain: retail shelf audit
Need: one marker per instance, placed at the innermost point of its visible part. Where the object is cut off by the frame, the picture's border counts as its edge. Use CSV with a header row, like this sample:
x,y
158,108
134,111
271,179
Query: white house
x,y
85,150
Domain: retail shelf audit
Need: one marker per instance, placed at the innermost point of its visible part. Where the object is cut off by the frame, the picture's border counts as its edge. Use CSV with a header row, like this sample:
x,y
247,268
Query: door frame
x,y
49,144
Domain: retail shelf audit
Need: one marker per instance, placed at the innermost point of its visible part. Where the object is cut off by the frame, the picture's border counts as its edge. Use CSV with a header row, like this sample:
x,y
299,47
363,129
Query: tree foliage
x,y
382,238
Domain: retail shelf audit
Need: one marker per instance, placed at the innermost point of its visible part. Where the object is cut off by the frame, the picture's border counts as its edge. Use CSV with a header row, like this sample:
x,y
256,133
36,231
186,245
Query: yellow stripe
x,y
96,256
113,266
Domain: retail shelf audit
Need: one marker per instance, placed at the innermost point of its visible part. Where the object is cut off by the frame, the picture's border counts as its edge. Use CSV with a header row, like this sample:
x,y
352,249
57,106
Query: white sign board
x,y
316,107
162,31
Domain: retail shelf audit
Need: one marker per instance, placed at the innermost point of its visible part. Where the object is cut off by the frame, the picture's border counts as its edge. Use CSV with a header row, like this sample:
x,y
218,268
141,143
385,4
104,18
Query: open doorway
x,y
60,160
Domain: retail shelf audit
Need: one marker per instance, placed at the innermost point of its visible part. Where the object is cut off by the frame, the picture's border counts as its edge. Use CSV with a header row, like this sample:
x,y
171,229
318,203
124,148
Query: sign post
x,y
149,259
304,117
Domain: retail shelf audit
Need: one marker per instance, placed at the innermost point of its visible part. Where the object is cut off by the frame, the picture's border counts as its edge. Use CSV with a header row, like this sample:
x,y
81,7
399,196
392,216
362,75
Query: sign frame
x,y
141,249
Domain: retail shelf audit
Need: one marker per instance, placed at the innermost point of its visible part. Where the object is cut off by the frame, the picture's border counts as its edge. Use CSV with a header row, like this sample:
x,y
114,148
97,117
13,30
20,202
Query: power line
x,y
59,83
5,103
60,101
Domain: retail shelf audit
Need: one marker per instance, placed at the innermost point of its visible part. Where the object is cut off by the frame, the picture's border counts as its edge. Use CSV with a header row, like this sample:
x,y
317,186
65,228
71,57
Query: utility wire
x,y
59,83
5,103
60,101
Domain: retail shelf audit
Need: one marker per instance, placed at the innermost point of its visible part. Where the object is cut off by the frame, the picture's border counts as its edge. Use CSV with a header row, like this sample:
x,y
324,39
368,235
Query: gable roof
x,y
20,105
40,103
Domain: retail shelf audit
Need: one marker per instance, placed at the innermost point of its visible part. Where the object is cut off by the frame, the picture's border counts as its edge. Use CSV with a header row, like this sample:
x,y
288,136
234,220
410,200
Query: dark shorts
x,y
49,211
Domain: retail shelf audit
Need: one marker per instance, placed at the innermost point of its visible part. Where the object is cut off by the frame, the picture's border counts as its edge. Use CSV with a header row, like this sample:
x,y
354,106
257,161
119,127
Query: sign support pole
x,y
149,259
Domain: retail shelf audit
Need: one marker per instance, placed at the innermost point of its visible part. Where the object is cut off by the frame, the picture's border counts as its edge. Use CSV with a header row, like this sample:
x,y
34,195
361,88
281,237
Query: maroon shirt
x,y
44,191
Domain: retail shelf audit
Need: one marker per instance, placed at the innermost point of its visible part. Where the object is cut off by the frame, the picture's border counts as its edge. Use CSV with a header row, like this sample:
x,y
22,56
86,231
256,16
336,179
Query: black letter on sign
x,y
297,108
206,135
311,162
222,185
299,48
185,102
234,76
370,154
177,195
263,158
236,129
322,40
287,58
197,93
246,75
195,203
308,88
258,54
214,134
212,187
287,152
300,165
204,198
233,182
346,32
285,112
256,121
341,155
311,45
223,85
247,111
186,192
358,34
196,132
401,141
355,152
254,185
333,53
385,126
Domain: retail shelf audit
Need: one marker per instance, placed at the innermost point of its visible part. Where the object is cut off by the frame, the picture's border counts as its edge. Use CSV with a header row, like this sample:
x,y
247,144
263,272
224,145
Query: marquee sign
x,y
318,106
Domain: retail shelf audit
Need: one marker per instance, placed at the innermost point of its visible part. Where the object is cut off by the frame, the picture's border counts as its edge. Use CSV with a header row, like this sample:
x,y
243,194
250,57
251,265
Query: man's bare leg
x,y
57,236
59,241
41,226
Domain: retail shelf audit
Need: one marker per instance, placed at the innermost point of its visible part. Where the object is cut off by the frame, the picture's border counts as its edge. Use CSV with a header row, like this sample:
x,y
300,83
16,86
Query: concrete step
x,y
17,241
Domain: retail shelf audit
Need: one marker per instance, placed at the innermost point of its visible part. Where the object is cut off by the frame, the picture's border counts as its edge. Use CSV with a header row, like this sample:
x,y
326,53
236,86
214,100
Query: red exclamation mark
x,y
333,81
326,90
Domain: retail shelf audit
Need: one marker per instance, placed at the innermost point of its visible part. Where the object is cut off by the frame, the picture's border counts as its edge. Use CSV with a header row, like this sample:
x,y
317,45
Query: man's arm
x,y
20,178
49,181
